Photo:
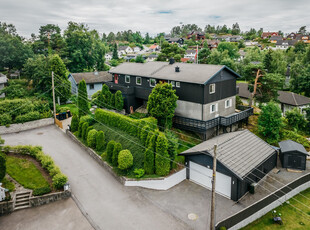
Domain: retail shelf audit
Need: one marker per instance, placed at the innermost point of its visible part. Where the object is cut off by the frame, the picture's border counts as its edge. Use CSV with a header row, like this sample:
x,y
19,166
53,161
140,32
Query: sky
x,y
155,16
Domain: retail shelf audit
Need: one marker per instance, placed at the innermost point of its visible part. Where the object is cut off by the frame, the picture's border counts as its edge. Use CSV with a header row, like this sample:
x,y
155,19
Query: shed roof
x,y
198,74
240,151
92,77
292,146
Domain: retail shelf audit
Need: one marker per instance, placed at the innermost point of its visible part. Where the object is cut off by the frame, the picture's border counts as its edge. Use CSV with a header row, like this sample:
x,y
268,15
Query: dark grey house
x,y
206,92
293,155
242,159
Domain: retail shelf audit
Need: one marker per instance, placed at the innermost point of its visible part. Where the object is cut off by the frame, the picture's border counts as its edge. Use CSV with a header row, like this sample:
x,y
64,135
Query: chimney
x,y
171,61
96,73
177,69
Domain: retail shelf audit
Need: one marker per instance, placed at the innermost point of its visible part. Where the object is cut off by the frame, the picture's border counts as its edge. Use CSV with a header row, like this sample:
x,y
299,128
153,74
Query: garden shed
x,y
293,155
242,159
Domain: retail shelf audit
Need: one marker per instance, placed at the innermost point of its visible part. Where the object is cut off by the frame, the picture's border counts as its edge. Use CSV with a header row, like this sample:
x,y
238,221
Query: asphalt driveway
x,y
105,202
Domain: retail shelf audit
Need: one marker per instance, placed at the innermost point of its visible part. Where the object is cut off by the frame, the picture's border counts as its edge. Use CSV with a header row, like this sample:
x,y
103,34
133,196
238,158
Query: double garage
x,y
242,159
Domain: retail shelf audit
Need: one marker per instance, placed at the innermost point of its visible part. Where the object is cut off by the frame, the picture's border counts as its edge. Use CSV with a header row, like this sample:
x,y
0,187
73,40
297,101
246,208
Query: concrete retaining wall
x,y
49,198
6,207
159,184
15,128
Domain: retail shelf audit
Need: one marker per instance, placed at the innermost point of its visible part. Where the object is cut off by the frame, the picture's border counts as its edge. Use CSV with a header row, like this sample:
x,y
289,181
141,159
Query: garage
x,y
202,175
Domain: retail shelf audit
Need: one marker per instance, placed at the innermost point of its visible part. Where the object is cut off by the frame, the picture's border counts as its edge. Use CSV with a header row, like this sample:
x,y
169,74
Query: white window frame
x,y
151,79
212,88
178,84
127,77
137,80
172,83
230,103
215,108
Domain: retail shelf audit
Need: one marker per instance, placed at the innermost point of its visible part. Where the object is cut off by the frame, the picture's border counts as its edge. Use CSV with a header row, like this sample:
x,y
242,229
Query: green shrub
x,y
110,149
112,101
41,191
88,118
54,170
80,130
173,144
84,130
291,135
125,159
31,116
91,138
162,159
139,173
59,180
5,119
87,131
144,133
75,123
149,157
295,119
119,100
2,165
46,161
100,141
116,150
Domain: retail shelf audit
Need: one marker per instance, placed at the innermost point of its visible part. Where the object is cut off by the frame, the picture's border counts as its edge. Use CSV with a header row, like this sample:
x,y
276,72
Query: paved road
x,y
106,203
60,215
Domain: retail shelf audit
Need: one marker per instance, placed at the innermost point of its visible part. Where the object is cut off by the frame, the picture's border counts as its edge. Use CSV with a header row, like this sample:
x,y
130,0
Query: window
x,y
91,86
212,88
178,84
228,103
152,82
172,83
138,81
213,108
127,78
116,79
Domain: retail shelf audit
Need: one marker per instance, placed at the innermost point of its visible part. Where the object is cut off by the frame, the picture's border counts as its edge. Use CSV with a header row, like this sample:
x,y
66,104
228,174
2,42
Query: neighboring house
x,y
190,54
242,55
94,81
284,44
180,41
242,159
275,39
185,60
287,100
136,49
213,44
235,38
130,56
250,43
122,50
197,35
152,57
292,35
154,48
108,56
3,82
206,92
304,38
269,34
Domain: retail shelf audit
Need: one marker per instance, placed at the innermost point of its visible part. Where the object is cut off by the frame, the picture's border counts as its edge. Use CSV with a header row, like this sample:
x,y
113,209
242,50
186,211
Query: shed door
x,y
295,162
202,176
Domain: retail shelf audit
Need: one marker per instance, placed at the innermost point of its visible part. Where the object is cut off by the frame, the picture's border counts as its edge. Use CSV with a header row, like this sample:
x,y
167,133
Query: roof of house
x,y
292,146
284,97
266,34
185,59
123,47
3,78
197,74
190,51
153,56
174,39
92,77
154,46
277,38
240,151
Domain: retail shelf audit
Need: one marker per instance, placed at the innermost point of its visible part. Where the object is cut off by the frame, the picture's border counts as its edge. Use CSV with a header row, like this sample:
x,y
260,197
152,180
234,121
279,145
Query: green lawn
x,y
25,173
73,108
292,218
8,184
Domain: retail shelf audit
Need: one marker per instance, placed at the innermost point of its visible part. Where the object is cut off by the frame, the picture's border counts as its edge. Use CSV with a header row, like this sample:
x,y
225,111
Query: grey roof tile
x,y
91,77
289,146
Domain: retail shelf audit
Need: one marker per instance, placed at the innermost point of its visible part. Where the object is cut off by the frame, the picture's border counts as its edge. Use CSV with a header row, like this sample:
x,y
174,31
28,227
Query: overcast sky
x,y
155,16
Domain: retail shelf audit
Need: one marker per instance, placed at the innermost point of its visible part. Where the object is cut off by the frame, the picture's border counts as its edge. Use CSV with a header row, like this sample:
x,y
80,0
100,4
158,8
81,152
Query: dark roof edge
x,y
224,67
73,78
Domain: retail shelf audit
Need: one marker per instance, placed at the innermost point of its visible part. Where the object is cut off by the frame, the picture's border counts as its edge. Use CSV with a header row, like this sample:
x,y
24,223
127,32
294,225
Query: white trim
x,y
178,84
126,78
137,80
151,82
172,83
215,108
230,103
212,86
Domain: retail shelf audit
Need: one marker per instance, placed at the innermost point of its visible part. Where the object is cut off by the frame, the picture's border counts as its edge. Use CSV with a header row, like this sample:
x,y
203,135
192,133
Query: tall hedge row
x,y
75,123
100,141
110,149
162,158
116,150
149,156
127,124
91,138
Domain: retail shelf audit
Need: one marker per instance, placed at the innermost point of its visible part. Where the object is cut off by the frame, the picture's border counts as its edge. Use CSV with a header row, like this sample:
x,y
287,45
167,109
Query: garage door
x,y
202,175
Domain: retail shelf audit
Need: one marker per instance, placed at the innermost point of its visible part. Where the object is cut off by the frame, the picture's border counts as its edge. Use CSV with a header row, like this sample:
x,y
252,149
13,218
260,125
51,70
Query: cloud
x,y
155,16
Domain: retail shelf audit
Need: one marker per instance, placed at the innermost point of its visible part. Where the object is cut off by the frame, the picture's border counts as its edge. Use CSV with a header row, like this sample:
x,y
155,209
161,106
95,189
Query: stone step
x,y
22,196
22,203
21,207
22,200
23,193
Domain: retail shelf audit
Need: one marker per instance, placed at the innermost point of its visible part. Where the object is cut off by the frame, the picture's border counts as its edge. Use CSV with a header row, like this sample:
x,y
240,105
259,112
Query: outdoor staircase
x,y
22,200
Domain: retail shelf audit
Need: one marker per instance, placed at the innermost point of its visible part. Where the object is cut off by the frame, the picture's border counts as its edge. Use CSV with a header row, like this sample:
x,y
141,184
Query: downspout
x,y
203,99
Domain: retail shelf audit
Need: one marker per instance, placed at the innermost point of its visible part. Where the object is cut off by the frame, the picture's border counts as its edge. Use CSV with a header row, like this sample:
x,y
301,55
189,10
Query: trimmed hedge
x,y
119,100
31,116
149,156
5,119
110,149
75,123
59,179
87,131
80,130
162,159
144,133
41,191
100,141
84,130
91,138
116,150
2,166
125,159
127,124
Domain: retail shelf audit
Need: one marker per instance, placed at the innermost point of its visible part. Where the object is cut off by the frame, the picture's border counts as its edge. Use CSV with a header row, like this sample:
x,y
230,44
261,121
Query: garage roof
x,y
240,151
292,146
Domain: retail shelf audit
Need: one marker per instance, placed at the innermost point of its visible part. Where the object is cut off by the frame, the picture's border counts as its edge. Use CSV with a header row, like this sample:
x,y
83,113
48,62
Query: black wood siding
x,y
285,159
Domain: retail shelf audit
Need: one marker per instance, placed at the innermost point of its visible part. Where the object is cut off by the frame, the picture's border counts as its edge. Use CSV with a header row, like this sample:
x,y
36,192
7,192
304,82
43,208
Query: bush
x,y
291,135
46,161
119,100
100,142
139,173
144,133
53,170
91,138
80,130
59,180
149,157
88,118
84,130
2,166
110,149
41,191
173,144
31,116
116,150
112,101
5,119
125,159
295,119
87,131
162,159
75,123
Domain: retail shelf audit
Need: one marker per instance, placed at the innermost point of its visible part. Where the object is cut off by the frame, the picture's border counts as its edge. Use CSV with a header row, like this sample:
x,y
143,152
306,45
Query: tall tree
x,y
82,99
115,55
268,60
147,39
235,29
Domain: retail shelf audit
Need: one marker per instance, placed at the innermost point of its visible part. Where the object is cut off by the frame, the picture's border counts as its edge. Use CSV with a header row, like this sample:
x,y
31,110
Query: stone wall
x,y
6,207
49,198
14,128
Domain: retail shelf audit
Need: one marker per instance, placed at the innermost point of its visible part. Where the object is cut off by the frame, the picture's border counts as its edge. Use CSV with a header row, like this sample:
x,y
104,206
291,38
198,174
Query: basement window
x,y
127,78
213,108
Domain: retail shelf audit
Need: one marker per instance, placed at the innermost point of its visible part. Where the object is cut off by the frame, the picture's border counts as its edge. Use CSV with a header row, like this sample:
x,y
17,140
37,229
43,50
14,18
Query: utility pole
x,y
54,104
212,219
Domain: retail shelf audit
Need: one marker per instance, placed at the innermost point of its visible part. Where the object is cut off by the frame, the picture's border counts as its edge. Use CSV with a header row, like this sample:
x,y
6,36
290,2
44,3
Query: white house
x,y
3,81
154,48
2,192
136,49
152,57
108,56
190,54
